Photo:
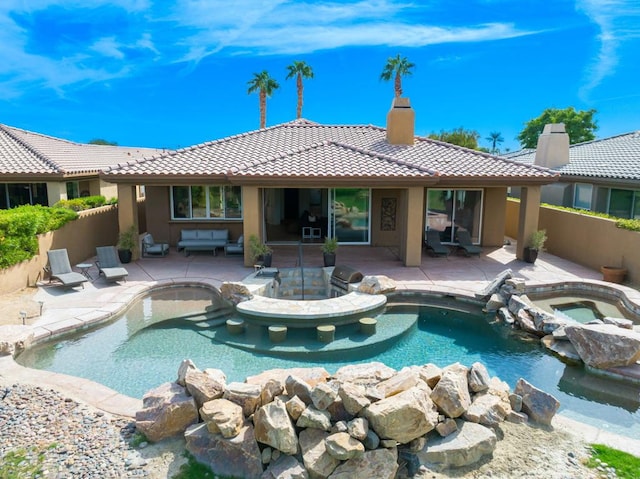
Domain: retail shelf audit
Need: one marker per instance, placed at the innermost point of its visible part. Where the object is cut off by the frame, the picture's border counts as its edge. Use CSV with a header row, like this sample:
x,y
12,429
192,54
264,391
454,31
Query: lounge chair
x,y
60,269
151,248
109,265
432,243
235,247
464,243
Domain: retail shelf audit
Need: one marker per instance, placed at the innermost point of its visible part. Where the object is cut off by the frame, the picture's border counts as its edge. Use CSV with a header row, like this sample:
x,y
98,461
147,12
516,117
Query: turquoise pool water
x,y
142,350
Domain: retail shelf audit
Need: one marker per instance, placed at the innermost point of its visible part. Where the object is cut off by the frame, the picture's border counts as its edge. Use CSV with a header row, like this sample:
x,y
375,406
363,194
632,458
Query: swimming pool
x,y
143,349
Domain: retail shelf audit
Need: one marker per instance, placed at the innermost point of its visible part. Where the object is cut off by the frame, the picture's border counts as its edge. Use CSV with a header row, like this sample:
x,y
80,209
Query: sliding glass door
x,y
350,215
451,210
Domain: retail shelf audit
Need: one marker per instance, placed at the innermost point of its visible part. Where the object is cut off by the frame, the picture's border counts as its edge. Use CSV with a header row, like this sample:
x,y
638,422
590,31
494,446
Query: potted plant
x,y
260,251
535,245
127,242
329,248
613,274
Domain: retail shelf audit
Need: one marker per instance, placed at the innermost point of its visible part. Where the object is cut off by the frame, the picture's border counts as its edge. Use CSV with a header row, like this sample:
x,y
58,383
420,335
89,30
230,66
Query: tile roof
x,y
306,149
23,152
617,157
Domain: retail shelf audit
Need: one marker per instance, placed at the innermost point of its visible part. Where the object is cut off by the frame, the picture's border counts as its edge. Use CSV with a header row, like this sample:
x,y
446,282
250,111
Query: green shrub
x,y
85,203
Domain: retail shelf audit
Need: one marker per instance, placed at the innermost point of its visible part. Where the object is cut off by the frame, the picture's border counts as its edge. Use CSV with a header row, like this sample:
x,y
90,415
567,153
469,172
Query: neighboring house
x,y
40,169
365,185
599,175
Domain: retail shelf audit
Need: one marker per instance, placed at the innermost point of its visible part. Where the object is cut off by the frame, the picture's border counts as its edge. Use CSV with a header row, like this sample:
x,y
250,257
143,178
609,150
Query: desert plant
x,y
257,248
330,245
127,240
537,240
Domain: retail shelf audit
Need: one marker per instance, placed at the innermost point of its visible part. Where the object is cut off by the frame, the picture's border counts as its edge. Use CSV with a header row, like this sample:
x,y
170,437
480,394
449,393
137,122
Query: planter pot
x,y
613,274
530,255
124,255
266,260
329,259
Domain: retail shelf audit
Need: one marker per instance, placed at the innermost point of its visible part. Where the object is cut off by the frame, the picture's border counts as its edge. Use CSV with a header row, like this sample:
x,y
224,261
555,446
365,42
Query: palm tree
x,y
265,86
396,68
494,137
300,70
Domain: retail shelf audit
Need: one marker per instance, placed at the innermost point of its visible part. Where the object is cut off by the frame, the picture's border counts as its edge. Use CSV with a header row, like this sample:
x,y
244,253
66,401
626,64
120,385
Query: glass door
x,y
350,215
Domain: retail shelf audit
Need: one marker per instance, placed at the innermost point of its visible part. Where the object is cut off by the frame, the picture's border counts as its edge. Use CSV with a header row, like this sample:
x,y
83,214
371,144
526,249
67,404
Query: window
x,y
624,203
73,190
450,210
582,196
350,214
206,202
16,194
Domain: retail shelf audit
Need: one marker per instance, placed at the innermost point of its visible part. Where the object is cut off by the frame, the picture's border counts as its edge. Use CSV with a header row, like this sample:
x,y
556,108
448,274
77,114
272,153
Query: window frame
x,y
206,194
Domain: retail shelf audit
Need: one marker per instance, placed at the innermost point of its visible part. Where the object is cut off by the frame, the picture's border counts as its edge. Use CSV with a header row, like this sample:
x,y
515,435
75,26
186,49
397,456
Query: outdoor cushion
x,y
150,247
60,269
236,247
109,265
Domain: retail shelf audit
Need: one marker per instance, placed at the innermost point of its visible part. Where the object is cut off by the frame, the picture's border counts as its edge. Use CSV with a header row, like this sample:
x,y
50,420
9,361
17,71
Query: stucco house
x,y
40,169
363,184
599,175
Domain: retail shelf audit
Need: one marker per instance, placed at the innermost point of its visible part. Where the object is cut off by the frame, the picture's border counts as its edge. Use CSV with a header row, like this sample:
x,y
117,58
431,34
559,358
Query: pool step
x,y
314,284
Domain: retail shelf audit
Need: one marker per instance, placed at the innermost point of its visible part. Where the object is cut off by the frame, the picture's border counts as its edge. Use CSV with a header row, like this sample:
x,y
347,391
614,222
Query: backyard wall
x,y
95,227
584,239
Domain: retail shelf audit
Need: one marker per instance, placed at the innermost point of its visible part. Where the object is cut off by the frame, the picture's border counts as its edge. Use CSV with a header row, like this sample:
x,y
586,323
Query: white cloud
x,y
618,21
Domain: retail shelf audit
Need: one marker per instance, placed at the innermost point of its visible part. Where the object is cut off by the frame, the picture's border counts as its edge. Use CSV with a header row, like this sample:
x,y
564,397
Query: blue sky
x,y
174,73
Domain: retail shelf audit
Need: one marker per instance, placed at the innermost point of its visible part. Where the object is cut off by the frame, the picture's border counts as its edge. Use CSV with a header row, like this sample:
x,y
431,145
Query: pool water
x,y
141,350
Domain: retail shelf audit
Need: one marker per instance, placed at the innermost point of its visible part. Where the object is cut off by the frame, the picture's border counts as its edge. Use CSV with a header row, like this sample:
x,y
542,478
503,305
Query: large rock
x,y
478,378
538,405
465,446
564,349
235,292
488,410
364,374
271,389
185,366
311,376
273,427
222,416
353,397
323,395
295,407
342,446
247,396
234,457
401,381
378,464
358,428
297,386
14,339
202,386
403,417
451,394
431,374
285,467
378,284
318,462
605,346
166,411
314,418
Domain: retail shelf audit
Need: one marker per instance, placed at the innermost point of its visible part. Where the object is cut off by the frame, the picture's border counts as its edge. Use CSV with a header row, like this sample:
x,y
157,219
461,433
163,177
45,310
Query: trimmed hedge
x,y
20,226
85,203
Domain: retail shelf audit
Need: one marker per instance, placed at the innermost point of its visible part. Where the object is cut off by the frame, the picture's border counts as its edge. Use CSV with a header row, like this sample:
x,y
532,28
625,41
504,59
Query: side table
x,y
84,270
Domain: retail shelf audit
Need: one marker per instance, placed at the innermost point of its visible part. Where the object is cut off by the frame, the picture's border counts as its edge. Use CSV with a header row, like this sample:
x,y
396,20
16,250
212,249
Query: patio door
x,y
451,210
350,215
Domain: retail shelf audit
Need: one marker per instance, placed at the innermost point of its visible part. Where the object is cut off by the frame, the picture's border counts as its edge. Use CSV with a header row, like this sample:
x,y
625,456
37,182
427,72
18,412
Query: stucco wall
x,y
493,222
584,239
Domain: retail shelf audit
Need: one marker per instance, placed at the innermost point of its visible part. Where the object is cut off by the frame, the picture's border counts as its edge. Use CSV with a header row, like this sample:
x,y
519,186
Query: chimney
x,y
553,146
401,122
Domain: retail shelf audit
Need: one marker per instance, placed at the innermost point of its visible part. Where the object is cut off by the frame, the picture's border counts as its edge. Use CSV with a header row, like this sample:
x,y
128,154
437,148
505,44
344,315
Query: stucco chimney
x,y
553,146
401,122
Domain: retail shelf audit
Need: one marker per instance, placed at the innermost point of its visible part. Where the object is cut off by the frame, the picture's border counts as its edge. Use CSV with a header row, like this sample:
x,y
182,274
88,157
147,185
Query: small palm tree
x,y
300,70
495,137
397,68
265,86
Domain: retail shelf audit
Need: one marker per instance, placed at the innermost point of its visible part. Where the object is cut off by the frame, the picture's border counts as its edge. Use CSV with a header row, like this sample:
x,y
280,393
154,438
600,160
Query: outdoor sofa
x,y
202,240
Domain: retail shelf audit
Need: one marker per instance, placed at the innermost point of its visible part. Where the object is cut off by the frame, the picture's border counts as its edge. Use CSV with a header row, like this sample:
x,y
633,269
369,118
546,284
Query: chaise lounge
x,y
109,265
464,243
60,269
432,243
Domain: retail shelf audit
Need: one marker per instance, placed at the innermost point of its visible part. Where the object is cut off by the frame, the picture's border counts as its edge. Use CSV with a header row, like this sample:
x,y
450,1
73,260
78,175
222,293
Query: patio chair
x,y
235,247
60,269
109,265
432,243
464,243
151,248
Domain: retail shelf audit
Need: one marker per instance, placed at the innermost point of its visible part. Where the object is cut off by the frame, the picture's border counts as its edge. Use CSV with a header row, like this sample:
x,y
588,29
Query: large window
x,y
624,203
350,214
451,210
16,194
582,196
206,202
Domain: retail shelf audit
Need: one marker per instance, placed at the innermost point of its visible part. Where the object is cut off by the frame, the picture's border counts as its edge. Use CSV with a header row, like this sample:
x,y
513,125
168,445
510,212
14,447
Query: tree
x,y
397,68
458,136
495,137
300,70
265,86
100,141
580,126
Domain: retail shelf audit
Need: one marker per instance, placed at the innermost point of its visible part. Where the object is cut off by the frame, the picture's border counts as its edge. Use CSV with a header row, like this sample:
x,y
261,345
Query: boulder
x,y
337,411
488,410
401,381
273,427
478,378
295,406
14,339
235,292
552,324
496,301
311,376
323,395
314,418
524,319
296,386
564,349
448,426
166,411
605,346
317,461
372,441
378,284
185,365
285,467
517,285
342,446
403,417
353,397
238,456
217,374
245,395
364,374
505,315
377,463
431,374
271,389
451,394
540,318
538,405
222,416
516,303
202,386
620,322
465,446
358,428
